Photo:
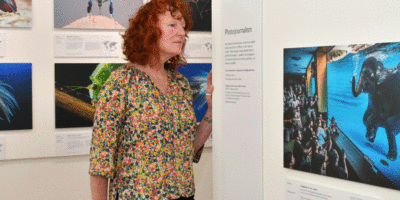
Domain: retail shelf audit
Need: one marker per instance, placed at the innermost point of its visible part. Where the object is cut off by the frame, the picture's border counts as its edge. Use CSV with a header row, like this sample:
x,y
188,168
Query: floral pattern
x,y
142,139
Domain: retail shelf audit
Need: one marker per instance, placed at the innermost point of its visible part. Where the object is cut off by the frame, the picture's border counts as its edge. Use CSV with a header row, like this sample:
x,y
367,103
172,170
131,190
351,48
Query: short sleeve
x,y
108,124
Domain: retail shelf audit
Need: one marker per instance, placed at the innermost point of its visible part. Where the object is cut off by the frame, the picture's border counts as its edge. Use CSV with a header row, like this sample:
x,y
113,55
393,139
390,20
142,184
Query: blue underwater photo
x,y
197,73
356,119
15,96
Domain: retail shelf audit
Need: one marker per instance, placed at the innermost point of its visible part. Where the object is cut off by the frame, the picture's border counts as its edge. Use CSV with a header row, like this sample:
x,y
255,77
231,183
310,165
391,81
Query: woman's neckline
x,y
142,72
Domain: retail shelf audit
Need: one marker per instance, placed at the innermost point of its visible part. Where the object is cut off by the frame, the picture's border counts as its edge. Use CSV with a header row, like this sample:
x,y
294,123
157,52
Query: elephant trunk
x,y
356,91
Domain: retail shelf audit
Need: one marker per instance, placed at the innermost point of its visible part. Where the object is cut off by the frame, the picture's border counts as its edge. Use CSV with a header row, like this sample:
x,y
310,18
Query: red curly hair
x,y
142,36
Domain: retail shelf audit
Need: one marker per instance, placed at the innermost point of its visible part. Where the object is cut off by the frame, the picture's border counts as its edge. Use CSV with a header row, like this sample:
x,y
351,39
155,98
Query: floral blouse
x,y
142,139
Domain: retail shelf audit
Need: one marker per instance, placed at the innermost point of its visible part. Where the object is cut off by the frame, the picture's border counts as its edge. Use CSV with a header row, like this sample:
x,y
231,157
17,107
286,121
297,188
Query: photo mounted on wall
x,y
76,89
201,15
94,14
16,13
197,74
15,96
342,112
78,85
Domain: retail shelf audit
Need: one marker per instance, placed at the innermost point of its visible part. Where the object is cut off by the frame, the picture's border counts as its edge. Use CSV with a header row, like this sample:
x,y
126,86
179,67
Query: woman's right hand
x,y
210,89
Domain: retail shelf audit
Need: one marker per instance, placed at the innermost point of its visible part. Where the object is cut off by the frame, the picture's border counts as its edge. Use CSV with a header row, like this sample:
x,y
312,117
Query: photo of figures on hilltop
x,y
15,13
15,96
342,112
94,14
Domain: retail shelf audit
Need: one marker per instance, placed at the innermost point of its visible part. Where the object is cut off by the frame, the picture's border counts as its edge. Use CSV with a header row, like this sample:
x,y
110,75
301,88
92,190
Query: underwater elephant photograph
x,y
15,96
94,14
341,108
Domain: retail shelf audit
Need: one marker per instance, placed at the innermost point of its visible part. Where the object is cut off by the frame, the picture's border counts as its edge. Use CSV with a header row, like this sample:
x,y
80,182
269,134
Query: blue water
x,y
19,77
197,73
348,110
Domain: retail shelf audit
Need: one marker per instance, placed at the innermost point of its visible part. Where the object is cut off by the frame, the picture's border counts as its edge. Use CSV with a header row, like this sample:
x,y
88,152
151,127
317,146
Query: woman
x,y
145,134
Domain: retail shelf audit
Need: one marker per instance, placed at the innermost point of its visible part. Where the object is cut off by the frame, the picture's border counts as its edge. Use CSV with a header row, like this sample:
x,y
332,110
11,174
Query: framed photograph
x,y
15,96
75,91
201,15
16,13
342,112
94,14
197,74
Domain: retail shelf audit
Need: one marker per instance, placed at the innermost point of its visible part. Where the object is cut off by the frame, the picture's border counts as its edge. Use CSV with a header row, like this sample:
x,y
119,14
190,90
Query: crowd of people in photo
x,y
308,136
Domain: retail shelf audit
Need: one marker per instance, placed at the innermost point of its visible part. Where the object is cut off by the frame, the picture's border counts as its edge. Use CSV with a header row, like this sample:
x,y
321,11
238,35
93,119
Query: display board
x,y
292,25
241,101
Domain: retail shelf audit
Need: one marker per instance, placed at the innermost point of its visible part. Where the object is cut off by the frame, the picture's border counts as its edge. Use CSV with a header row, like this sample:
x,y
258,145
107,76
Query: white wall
x,y
300,23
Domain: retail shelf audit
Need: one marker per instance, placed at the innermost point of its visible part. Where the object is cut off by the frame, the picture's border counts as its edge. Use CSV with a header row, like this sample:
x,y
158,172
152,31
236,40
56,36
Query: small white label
x,y
299,190
199,47
69,144
80,45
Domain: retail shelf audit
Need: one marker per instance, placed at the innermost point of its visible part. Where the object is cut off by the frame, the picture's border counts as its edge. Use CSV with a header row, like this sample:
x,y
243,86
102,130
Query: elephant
x,y
383,88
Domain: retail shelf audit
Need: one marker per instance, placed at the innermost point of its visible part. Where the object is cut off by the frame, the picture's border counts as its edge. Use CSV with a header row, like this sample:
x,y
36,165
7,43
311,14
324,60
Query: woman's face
x,y
173,33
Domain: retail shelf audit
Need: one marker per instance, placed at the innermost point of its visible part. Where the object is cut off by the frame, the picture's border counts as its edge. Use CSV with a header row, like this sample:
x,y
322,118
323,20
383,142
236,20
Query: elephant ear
x,y
381,73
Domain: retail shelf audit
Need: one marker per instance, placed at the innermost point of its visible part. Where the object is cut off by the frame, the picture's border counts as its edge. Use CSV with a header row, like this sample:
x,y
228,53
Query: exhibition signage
x,y
242,98
77,143
83,45
299,190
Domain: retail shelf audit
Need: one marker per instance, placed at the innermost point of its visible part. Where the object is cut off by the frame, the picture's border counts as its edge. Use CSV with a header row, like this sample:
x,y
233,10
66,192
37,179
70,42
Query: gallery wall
x,y
285,24
31,169
314,23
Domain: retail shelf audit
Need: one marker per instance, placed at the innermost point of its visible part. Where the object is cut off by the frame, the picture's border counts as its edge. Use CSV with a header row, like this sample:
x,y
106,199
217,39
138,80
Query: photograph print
x,y
15,96
201,15
78,85
197,74
76,90
342,112
15,13
94,14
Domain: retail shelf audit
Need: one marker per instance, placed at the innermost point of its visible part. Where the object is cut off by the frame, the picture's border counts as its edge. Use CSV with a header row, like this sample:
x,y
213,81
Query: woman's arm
x,y
99,187
203,130
107,128
205,127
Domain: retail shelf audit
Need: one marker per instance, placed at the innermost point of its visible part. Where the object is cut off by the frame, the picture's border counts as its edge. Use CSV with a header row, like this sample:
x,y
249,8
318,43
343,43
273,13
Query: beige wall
x,y
68,178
